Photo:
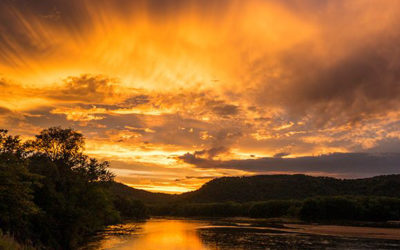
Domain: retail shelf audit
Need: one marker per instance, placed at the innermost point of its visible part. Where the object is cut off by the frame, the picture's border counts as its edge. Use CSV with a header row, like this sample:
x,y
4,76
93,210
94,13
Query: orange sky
x,y
174,93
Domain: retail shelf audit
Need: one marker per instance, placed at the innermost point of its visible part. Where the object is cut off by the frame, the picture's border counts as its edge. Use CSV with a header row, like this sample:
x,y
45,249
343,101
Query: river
x,y
186,234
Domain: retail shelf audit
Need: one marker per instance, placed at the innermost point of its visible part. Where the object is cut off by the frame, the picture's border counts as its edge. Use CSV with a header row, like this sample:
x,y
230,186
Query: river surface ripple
x,y
187,234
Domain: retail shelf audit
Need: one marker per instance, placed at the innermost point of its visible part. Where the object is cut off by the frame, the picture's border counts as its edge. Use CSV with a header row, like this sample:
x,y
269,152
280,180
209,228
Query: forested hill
x,y
270,187
278,187
125,191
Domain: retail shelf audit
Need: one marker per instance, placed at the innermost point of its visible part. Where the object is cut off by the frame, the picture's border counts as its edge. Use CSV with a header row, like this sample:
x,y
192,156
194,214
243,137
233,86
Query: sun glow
x,y
174,93
184,51
164,189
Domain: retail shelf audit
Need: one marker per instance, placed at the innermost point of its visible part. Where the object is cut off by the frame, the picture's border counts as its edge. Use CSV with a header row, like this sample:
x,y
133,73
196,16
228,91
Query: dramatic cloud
x,y
85,88
362,84
338,164
176,92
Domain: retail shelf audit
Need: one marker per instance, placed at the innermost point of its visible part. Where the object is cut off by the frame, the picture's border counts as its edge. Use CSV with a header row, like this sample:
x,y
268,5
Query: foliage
x,y
51,193
130,208
324,208
7,242
351,208
16,183
273,208
288,187
313,199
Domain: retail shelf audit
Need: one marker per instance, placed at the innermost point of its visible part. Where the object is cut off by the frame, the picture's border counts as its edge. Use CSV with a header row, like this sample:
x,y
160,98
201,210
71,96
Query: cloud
x,y
348,73
200,177
212,152
85,88
202,156
343,164
226,110
281,154
80,114
362,84
4,111
139,99
222,80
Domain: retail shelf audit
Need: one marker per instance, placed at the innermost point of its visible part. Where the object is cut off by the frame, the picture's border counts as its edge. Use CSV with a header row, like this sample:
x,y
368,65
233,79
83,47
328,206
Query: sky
x,y
176,92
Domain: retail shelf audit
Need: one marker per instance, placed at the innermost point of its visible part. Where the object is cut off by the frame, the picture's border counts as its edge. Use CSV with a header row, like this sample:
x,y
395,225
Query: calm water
x,y
167,234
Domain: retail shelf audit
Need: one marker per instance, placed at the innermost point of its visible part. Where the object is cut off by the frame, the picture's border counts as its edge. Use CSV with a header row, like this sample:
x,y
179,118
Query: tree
x,y
73,197
16,183
65,147
59,144
54,195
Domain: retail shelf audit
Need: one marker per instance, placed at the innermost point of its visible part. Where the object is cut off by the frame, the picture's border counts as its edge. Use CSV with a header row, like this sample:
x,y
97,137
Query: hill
x,y
278,187
270,187
265,196
147,197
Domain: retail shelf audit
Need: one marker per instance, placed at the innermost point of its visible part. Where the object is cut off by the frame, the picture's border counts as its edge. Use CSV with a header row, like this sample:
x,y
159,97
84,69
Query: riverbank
x,y
346,231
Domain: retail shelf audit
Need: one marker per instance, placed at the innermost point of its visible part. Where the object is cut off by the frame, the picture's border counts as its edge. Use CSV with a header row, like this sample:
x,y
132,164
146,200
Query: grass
x,y
7,242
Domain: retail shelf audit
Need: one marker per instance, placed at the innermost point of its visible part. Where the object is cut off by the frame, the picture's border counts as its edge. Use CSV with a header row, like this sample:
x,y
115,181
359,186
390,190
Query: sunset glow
x,y
175,93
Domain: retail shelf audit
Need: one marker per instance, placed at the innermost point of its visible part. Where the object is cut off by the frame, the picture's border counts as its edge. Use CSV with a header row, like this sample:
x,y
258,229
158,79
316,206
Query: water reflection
x,y
159,234
174,234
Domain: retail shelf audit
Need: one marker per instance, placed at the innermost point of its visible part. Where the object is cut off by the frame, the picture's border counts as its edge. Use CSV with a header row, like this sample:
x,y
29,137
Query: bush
x,y
379,208
351,208
8,242
329,208
273,208
130,208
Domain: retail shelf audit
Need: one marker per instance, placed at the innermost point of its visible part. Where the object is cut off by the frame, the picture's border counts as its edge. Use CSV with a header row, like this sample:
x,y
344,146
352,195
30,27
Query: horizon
x,y
176,93
244,176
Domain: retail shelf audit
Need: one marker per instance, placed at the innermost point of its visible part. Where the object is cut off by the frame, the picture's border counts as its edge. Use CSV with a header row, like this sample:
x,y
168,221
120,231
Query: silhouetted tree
x,y
16,183
51,193
73,197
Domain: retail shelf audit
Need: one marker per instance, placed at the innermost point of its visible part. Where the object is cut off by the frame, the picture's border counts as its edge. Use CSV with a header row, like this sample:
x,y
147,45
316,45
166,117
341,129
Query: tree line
x,y
324,208
52,195
287,187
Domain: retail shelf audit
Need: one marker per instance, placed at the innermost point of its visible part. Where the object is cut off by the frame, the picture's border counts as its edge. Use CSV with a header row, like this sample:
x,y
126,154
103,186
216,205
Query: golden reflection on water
x,y
176,234
160,234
